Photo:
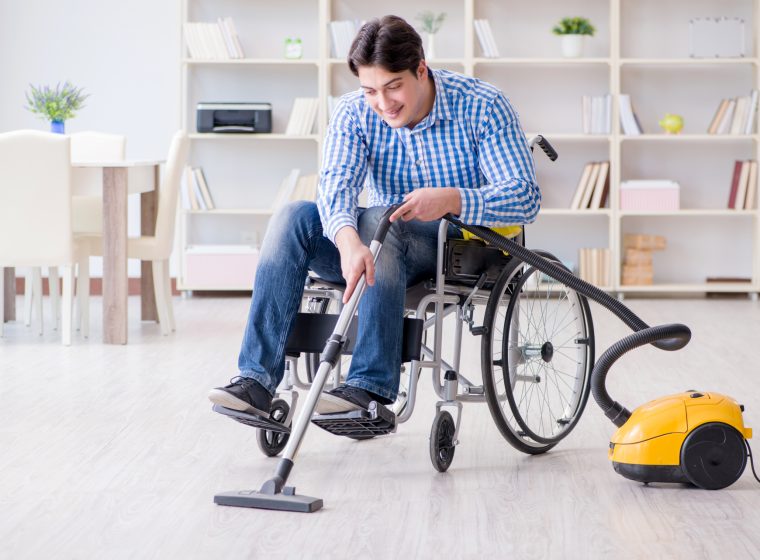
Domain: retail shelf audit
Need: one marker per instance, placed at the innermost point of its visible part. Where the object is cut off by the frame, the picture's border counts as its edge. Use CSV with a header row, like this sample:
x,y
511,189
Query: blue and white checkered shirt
x,y
471,140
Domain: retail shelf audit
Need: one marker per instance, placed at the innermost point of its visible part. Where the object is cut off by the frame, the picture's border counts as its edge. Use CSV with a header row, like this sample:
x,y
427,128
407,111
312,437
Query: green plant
x,y
431,22
59,104
574,26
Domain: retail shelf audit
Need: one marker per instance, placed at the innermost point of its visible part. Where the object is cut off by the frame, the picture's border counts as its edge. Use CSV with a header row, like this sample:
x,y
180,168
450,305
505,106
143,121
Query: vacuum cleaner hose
x,y
665,337
612,409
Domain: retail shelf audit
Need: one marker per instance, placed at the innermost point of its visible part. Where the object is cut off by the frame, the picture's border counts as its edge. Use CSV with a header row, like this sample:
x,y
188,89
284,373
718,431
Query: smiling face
x,y
399,98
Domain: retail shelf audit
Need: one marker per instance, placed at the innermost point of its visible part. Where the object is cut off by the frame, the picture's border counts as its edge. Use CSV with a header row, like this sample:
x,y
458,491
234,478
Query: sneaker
x,y
346,398
244,394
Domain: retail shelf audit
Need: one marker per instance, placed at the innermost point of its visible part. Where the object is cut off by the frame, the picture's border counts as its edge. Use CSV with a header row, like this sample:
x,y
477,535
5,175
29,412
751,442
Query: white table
x,y
114,181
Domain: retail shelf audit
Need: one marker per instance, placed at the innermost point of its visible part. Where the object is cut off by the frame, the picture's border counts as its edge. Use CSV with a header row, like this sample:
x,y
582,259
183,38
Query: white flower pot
x,y
430,49
572,46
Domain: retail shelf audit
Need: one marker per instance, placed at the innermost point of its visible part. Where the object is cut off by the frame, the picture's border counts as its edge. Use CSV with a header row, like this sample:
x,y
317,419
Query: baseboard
x,y
96,286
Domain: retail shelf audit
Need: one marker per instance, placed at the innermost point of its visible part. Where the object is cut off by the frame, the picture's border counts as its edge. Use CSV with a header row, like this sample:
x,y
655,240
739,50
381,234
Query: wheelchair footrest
x,y
375,421
252,420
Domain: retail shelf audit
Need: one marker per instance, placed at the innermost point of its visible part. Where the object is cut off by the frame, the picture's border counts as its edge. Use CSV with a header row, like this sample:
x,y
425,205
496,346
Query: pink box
x,y
225,268
660,198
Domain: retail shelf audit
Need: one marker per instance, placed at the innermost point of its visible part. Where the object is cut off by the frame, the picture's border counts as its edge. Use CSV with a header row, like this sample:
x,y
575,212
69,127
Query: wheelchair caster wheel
x,y
271,443
442,441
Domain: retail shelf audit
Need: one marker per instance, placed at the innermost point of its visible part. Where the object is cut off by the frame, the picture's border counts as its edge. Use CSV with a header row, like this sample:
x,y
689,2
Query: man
x,y
437,141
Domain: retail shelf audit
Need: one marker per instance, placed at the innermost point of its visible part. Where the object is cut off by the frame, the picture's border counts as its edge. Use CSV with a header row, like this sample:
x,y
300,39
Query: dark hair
x,y
389,42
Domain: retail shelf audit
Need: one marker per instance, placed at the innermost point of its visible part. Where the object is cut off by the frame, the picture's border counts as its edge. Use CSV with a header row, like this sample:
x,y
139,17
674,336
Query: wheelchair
x,y
536,340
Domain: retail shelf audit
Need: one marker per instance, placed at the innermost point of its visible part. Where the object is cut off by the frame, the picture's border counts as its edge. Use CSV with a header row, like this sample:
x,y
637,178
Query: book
x,y
728,115
734,184
575,204
589,189
741,188
486,38
627,121
306,188
718,117
740,115
189,185
302,116
285,190
602,186
749,123
203,187
749,203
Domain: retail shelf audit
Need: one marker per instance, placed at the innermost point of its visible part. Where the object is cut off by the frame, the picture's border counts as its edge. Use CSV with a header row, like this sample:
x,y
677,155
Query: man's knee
x,y
300,218
368,222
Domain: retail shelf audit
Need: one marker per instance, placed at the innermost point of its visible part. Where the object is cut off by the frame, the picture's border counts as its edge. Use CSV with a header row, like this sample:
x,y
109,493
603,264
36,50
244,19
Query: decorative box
x,y
655,196
220,267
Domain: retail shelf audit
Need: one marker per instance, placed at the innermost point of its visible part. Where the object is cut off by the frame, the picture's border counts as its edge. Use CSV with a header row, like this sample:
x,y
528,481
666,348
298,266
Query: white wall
x,y
125,55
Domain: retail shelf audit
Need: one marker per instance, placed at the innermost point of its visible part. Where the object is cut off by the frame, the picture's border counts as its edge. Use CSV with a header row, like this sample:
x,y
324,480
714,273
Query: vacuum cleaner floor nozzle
x,y
281,502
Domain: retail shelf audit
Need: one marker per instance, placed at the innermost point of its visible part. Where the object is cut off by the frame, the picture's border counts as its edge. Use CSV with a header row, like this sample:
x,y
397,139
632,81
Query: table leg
x,y
9,297
148,213
115,255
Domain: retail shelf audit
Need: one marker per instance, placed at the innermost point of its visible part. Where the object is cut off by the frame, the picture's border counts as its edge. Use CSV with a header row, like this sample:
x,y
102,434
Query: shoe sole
x,y
330,404
223,398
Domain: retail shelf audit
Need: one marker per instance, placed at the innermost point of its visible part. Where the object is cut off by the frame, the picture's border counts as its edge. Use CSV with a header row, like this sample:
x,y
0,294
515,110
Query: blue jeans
x,y
294,243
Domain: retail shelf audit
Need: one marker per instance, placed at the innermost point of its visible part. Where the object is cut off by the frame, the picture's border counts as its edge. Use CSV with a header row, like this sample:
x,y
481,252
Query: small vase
x,y
572,46
430,49
58,127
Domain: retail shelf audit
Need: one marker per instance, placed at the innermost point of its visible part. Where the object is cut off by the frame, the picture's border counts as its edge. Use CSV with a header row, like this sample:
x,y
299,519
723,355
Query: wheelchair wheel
x,y
442,441
272,443
537,356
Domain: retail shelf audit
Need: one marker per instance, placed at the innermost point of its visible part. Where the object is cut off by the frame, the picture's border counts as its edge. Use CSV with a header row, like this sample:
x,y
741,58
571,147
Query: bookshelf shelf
x,y
640,49
575,213
231,212
246,137
687,61
690,213
690,288
689,138
254,61
543,61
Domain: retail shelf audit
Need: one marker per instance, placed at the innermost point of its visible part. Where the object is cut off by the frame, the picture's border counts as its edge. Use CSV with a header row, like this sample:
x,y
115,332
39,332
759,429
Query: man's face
x,y
397,97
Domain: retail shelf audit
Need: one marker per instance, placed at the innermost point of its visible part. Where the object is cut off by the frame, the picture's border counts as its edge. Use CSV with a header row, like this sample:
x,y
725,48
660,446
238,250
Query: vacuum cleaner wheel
x,y
713,456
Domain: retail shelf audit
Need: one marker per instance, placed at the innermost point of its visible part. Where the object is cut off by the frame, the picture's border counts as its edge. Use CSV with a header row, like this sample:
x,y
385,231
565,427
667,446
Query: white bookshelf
x,y
641,48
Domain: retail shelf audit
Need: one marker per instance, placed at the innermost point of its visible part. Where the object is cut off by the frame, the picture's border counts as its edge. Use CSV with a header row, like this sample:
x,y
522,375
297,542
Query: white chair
x,y
86,218
157,248
35,214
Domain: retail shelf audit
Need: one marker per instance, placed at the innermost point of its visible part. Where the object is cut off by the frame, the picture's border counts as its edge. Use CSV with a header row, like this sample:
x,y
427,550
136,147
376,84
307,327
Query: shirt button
x,y
418,162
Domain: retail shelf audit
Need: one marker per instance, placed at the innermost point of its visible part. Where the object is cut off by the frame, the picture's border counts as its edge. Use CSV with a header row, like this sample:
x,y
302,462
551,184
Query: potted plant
x,y
572,30
431,23
55,105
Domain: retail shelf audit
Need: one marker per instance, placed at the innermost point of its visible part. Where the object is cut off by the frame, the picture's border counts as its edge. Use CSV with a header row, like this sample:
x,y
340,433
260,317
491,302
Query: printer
x,y
234,117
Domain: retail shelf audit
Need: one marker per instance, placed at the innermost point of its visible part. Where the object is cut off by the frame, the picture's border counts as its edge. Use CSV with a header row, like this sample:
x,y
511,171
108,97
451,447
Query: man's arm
x,y
511,195
344,166
341,178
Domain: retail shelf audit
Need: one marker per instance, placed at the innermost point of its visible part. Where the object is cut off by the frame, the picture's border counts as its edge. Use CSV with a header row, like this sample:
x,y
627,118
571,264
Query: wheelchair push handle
x,y
544,144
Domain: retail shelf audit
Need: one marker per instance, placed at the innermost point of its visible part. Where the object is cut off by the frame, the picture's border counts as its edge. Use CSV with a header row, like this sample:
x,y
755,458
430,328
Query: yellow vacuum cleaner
x,y
692,437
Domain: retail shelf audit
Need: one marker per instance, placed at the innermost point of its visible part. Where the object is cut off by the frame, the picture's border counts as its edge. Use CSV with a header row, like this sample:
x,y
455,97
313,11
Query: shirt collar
x,y
441,107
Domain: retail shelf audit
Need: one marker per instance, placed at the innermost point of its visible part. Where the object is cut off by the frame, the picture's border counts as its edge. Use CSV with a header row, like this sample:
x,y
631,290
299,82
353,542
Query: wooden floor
x,y
113,452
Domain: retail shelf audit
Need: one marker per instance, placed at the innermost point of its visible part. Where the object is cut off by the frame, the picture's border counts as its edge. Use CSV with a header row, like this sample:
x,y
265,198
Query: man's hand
x,y
355,258
428,204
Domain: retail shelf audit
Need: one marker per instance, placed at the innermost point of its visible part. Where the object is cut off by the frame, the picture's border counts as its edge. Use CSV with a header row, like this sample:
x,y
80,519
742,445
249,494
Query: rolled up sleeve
x,y
344,167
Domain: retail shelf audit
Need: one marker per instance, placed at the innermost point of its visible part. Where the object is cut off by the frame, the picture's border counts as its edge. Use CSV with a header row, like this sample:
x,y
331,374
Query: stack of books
x,y
593,187
302,116
595,266
596,114
213,40
743,191
638,269
485,37
194,190
735,115
628,119
342,33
